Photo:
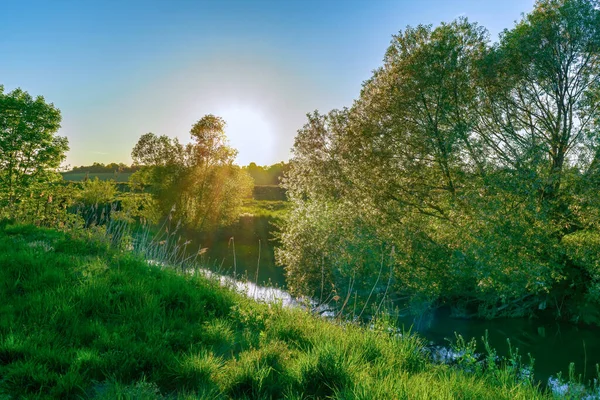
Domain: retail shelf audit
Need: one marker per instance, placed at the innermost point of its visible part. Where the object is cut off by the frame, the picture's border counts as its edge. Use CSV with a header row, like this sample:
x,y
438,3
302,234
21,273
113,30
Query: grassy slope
x,y
78,320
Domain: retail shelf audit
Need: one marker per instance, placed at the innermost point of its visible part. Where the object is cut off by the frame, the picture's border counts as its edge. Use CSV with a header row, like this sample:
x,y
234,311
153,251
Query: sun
x,y
250,132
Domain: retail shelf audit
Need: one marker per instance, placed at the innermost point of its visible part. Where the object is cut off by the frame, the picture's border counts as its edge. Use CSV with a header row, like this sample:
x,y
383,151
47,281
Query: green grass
x,y
272,209
103,176
79,320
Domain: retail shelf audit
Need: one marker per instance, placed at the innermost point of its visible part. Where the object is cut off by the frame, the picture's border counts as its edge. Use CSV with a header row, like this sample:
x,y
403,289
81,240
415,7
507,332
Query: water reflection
x,y
552,344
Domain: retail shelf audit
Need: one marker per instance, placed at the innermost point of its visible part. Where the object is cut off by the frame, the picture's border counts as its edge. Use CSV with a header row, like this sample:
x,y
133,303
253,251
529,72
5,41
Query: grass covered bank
x,y
78,320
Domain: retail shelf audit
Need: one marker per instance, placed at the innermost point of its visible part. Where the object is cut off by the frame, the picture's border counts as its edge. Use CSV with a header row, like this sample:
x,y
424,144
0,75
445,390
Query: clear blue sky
x,y
118,69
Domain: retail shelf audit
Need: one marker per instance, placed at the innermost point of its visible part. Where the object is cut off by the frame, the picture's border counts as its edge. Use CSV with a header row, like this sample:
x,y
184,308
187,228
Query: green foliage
x,y
98,323
583,250
30,152
94,192
455,176
267,175
137,207
99,201
47,204
99,168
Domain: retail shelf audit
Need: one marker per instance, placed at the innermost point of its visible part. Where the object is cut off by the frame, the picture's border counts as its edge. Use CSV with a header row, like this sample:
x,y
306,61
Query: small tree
x,y
30,151
198,180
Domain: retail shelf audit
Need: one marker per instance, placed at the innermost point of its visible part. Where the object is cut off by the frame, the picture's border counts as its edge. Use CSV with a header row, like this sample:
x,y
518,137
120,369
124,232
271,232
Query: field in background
x,y
272,209
269,198
103,176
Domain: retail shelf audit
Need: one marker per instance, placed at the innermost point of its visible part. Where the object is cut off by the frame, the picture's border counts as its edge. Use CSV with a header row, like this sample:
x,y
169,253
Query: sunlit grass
x,y
81,320
272,209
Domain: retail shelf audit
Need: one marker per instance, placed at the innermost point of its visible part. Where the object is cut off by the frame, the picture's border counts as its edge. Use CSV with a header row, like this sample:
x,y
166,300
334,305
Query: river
x,y
552,344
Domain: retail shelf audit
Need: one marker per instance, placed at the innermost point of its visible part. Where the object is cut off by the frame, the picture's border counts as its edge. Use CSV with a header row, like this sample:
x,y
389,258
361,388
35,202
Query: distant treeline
x,y
266,175
262,175
101,168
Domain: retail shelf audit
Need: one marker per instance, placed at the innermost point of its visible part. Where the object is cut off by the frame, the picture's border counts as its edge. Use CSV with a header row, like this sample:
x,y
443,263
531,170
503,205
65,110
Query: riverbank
x,y
82,320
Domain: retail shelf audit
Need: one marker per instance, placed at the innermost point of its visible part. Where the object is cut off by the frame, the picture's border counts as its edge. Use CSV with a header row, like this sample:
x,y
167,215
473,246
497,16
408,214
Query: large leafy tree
x,y
30,150
540,86
466,161
391,170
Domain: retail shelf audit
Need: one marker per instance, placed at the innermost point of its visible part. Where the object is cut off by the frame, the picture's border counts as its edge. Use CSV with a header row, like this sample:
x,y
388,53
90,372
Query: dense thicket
x,y
466,173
